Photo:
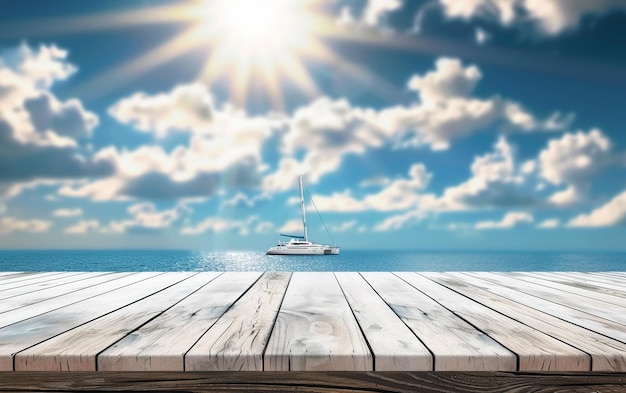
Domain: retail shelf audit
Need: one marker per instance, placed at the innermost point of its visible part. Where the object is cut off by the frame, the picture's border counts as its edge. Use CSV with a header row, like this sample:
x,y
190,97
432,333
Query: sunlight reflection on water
x,y
348,260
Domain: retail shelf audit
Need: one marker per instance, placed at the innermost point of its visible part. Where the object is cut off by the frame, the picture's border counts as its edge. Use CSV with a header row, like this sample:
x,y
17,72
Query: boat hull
x,y
287,250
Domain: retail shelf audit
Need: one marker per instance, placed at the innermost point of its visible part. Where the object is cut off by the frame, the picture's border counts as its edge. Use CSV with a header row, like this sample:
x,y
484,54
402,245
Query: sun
x,y
271,43
262,39
253,21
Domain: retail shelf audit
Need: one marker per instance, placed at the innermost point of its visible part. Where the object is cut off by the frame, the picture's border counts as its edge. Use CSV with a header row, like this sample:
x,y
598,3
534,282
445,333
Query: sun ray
x,y
103,21
241,81
273,85
294,68
113,78
249,43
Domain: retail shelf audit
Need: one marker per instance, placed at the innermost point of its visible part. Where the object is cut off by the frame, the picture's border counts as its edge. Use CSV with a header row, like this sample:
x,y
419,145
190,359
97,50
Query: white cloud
x,y
550,17
12,224
241,200
42,67
67,212
481,36
346,18
185,108
447,110
510,220
324,131
497,181
556,16
197,170
574,157
449,80
376,10
321,134
224,148
549,223
379,181
399,194
41,132
573,160
219,225
82,227
291,227
191,108
567,197
67,119
146,217
610,214
400,221
373,16
344,226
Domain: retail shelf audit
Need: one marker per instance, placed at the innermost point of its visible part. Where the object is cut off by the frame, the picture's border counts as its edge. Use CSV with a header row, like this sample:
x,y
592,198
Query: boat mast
x,y
302,211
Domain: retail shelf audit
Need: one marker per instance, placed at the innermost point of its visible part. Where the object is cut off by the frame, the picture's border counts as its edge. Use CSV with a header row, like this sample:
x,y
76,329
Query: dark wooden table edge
x,y
311,381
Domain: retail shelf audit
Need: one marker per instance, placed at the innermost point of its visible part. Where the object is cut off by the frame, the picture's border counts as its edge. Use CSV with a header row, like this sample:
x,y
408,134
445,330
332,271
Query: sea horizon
x,y
348,260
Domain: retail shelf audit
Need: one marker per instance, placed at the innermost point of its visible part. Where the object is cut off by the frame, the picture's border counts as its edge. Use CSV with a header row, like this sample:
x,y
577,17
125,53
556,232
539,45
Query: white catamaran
x,y
300,245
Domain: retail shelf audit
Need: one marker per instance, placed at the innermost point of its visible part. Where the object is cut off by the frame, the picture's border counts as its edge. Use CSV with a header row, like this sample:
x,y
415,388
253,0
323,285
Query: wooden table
x,y
355,329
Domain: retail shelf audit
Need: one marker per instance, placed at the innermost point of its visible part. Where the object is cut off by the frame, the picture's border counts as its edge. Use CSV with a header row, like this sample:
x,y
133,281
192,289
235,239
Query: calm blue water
x,y
349,260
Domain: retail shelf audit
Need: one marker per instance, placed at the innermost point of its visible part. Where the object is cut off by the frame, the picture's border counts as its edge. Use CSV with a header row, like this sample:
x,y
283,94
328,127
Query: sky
x,y
427,125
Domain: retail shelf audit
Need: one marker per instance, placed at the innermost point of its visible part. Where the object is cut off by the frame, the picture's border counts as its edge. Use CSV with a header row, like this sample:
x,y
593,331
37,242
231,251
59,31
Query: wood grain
x,y
76,350
161,344
607,354
584,281
316,330
18,277
581,290
581,318
28,332
535,350
606,310
462,322
39,282
394,345
27,305
46,290
455,344
318,382
237,340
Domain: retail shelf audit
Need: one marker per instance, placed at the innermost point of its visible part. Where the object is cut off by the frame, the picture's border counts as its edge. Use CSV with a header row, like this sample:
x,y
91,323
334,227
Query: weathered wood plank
x,y
25,276
621,276
76,349
604,277
40,305
55,282
455,344
395,346
607,354
269,382
22,335
553,283
39,282
164,315
47,294
161,344
535,350
6,274
316,330
237,340
589,321
602,309
590,282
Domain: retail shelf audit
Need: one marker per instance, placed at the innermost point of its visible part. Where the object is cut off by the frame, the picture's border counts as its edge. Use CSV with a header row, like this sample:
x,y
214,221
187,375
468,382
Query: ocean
x,y
348,260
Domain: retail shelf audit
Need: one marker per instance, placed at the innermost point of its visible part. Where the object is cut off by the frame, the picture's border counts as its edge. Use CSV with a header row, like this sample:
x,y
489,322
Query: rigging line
x,y
319,215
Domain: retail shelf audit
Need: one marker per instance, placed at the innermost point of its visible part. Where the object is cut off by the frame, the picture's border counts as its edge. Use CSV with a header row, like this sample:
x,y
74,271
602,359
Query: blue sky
x,y
438,124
